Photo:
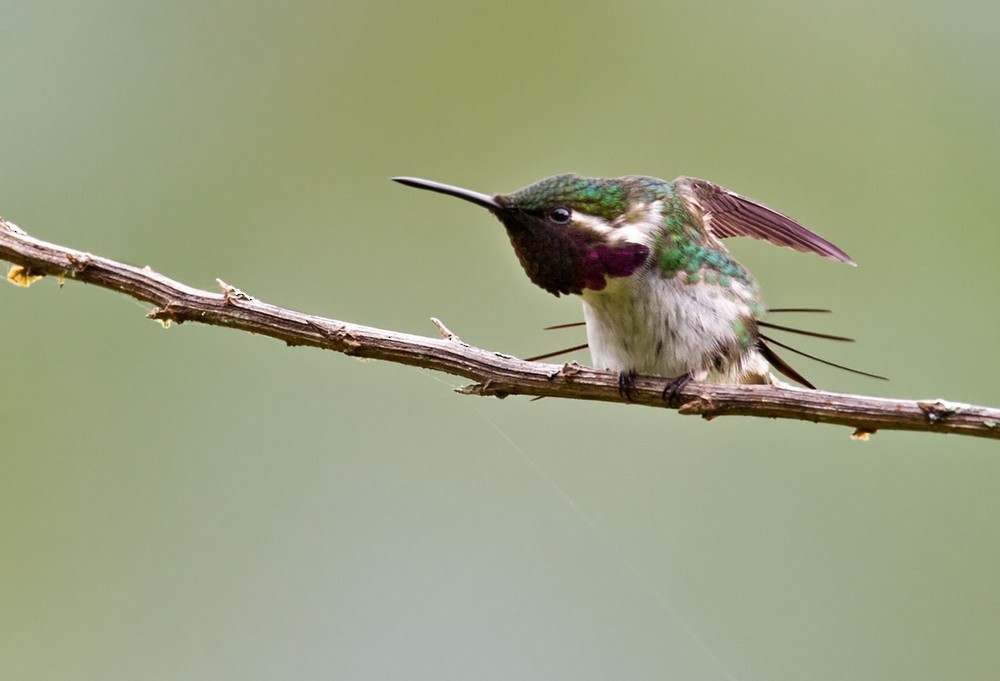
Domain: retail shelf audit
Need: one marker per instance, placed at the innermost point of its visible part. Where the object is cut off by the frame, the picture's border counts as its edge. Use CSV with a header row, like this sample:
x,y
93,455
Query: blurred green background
x,y
203,504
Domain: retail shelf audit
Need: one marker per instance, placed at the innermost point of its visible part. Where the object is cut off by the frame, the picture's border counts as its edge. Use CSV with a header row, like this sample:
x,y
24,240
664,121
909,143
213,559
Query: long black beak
x,y
484,200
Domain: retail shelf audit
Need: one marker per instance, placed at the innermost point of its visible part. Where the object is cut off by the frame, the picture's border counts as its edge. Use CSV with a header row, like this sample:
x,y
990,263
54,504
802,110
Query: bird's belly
x,y
665,327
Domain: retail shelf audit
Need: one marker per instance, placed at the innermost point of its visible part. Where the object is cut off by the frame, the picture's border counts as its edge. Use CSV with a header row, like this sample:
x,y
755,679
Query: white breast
x,y
667,327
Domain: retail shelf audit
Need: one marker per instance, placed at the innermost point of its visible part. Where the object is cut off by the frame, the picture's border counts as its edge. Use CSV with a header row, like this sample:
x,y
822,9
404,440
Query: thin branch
x,y
495,374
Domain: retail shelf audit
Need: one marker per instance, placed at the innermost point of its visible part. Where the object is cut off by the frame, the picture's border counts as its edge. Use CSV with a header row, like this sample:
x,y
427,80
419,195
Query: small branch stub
x,y
495,374
445,331
231,293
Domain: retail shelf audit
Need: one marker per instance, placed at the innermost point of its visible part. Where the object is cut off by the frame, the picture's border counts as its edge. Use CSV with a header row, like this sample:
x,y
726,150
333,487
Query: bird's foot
x,y
626,381
672,390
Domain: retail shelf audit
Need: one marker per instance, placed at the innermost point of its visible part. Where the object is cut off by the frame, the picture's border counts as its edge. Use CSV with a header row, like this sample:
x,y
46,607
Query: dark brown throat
x,y
564,260
553,259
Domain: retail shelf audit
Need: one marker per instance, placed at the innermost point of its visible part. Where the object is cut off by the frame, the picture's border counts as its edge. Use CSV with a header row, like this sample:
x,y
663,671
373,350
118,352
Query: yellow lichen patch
x,y
22,276
165,322
862,434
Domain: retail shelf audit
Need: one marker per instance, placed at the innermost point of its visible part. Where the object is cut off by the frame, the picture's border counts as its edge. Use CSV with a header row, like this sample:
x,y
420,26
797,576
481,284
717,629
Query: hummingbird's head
x,y
571,233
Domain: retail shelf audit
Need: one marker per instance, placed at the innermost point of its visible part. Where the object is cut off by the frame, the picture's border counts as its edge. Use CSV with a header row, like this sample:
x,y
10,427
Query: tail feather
x,y
781,365
547,355
803,332
798,309
762,337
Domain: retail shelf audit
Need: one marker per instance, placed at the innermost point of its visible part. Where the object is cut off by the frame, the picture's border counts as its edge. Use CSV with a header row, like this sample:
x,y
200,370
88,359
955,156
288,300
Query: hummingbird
x,y
661,294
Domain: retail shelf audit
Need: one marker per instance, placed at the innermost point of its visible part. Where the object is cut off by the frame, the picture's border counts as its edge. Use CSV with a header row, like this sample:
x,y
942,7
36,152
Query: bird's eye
x,y
560,215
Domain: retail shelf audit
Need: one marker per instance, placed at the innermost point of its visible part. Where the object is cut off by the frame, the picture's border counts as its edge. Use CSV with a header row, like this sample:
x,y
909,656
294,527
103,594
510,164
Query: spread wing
x,y
726,214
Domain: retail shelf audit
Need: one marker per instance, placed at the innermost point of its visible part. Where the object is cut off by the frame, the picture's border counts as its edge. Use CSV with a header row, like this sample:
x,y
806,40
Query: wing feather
x,y
726,214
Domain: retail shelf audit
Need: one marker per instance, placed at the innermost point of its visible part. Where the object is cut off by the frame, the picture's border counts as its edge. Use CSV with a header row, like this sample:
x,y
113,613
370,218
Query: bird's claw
x,y
626,381
672,390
